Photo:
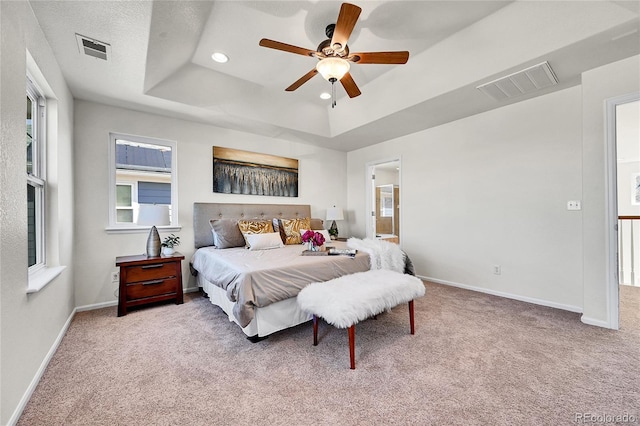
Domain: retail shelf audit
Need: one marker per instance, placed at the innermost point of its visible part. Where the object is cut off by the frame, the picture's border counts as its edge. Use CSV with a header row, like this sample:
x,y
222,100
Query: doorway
x,y
623,122
383,202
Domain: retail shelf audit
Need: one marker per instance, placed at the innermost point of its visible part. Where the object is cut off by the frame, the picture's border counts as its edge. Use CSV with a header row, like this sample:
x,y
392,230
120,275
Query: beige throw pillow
x,y
226,233
292,229
254,227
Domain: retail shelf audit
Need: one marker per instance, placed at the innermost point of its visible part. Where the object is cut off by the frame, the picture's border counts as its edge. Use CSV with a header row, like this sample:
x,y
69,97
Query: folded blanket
x,y
382,254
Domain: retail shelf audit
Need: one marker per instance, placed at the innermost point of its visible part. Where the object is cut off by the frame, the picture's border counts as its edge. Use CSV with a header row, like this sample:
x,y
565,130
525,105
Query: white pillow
x,y
270,240
324,232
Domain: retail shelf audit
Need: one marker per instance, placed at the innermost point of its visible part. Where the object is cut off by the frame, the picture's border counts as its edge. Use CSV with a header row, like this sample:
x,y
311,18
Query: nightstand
x,y
341,239
145,280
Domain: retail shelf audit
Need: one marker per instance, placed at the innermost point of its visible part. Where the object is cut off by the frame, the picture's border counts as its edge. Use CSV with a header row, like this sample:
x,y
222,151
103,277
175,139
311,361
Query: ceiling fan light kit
x,y
333,68
333,54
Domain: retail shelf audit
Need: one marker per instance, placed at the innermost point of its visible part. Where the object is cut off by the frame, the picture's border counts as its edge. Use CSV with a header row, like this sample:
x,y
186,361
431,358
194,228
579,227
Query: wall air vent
x,y
92,47
519,83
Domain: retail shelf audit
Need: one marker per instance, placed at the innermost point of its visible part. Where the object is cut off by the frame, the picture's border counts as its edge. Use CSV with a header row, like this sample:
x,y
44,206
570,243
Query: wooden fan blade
x,y
271,44
380,57
350,86
302,80
347,19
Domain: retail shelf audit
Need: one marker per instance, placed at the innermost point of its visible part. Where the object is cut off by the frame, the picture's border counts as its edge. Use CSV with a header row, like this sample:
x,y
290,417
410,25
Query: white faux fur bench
x,y
345,301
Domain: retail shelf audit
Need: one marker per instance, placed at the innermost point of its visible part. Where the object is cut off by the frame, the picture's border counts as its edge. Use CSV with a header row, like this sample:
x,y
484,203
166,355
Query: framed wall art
x,y
251,173
635,189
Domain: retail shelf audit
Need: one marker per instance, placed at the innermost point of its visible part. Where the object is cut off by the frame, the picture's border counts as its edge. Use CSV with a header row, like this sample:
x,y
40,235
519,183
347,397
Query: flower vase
x,y
310,246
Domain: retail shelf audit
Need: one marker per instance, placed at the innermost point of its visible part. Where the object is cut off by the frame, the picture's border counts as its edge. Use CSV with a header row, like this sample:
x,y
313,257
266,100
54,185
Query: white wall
x,y
628,166
628,156
387,177
598,85
626,190
322,180
491,189
30,324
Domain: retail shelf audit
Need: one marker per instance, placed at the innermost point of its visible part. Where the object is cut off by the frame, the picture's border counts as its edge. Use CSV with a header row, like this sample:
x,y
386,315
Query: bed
x,y
257,289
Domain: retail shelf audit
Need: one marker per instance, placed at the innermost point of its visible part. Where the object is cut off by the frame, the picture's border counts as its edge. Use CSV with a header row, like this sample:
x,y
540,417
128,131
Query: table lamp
x,y
334,213
153,214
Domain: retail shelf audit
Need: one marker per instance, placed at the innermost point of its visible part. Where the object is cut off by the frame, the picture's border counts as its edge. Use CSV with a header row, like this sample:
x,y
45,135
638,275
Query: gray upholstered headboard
x,y
204,212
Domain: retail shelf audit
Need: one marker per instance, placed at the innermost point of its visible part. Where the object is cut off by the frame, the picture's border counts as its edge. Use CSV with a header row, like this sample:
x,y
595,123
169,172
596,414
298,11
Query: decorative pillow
x,y
266,241
292,229
226,233
317,224
279,229
254,227
324,232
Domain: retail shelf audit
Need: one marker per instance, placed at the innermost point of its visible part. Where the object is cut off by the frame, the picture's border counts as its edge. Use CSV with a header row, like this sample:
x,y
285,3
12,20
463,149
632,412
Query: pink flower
x,y
316,238
308,236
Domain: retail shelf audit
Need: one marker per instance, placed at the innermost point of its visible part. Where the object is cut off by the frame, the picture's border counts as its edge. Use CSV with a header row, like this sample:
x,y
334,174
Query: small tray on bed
x,y
315,253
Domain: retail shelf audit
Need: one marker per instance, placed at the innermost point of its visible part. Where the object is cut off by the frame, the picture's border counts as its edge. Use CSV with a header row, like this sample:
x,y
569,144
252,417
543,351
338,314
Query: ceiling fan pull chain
x,y
333,93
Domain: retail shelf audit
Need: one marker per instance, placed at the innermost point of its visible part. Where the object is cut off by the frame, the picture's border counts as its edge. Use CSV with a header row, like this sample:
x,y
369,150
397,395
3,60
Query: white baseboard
x,y
533,300
43,366
596,322
97,306
115,302
45,362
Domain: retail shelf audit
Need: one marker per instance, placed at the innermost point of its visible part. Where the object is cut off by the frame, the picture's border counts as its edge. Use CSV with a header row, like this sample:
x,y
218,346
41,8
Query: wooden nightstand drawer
x,y
150,288
150,272
145,280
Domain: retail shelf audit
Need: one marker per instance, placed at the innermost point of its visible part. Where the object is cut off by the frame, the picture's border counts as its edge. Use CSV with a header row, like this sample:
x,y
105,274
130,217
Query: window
x,y
143,173
125,200
36,178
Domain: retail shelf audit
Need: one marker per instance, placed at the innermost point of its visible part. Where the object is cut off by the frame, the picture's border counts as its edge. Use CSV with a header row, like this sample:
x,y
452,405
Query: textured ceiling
x,y
161,59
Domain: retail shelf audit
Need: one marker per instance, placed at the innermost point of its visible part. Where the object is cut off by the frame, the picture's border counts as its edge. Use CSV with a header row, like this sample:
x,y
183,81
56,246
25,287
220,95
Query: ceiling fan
x,y
334,56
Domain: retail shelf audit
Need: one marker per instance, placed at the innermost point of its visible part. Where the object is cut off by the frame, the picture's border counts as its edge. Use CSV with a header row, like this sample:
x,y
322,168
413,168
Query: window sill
x,y
38,280
140,229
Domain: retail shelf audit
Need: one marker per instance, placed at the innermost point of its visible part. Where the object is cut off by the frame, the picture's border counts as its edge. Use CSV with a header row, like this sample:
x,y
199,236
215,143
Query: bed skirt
x,y
267,320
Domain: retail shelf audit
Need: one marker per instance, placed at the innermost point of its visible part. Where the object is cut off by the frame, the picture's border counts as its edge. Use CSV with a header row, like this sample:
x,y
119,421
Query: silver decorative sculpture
x,y
154,245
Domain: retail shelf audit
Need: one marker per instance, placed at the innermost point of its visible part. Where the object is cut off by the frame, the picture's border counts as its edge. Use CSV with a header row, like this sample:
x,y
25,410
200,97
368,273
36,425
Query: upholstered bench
x,y
345,301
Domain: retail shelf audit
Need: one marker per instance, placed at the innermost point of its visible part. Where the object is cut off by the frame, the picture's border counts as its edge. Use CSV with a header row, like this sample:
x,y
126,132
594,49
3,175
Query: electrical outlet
x,y
574,205
115,277
497,269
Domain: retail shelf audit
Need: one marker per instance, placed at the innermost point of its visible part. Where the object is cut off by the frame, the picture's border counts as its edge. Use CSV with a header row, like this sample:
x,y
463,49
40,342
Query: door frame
x,y
611,194
369,167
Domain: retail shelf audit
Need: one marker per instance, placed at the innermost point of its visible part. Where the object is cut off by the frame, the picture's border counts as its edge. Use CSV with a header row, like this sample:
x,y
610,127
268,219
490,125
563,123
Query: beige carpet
x,y
475,359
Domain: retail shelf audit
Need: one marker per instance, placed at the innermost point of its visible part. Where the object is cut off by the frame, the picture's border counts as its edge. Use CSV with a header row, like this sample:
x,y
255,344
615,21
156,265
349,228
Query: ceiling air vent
x,y
519,83
92,47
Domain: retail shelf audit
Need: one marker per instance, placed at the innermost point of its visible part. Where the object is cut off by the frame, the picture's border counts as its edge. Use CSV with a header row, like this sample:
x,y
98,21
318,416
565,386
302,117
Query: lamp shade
x,y
335,213
333,68
153,215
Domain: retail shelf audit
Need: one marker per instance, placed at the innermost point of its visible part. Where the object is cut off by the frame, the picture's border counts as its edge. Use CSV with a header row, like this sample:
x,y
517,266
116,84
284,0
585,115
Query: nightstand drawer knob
x,y
157,265
152,282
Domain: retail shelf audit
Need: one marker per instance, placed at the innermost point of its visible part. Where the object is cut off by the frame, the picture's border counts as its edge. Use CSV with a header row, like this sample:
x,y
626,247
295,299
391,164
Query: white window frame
x,y
134,198
37,177
118,227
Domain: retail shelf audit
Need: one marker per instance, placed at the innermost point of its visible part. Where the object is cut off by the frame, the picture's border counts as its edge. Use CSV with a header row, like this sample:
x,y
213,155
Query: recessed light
x,y
325,95
219,57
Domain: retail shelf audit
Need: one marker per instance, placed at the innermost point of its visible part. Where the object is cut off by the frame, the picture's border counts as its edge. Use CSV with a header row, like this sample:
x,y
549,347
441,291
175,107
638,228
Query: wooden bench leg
x,y
352,346
411,321
315,330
